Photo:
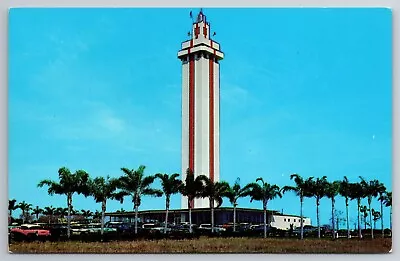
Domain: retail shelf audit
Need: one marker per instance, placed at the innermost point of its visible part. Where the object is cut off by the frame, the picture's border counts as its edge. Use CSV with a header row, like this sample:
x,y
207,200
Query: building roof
x,y
172,211
288,215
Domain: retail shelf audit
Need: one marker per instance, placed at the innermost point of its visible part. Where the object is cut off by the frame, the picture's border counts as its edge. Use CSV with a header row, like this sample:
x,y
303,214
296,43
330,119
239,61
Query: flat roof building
x,y
222,215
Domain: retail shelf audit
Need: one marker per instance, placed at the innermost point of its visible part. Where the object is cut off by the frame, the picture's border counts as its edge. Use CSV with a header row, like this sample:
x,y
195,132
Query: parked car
x,y
79,230
243,227
57,231
307,231
11,226
123,228
152,230
95,228
29,232
182,231
207,228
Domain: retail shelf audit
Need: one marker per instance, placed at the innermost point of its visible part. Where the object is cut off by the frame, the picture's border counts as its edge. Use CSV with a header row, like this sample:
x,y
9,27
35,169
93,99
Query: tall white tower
x,y
200,105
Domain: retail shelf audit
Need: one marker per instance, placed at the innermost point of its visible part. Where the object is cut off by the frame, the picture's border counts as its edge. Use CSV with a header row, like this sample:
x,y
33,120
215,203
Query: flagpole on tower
x,y
191,16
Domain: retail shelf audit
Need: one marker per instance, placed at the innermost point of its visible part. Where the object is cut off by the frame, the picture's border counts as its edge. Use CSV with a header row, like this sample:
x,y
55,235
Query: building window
x,y
284,219
289,220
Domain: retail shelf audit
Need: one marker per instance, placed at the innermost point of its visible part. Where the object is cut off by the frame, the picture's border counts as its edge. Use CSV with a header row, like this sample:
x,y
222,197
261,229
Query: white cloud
x,y
234,94
111,122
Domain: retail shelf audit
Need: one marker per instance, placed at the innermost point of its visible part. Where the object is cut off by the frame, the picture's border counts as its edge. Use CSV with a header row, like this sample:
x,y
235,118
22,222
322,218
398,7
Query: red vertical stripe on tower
x,y
191,115
211,116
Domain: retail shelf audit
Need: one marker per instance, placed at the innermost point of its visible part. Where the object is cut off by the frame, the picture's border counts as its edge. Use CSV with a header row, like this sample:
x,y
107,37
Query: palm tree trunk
x,y
383,232
23,216
365,222
212,215
69,204
136,217
347,217
265,220
166,214
103,211
358,218
333,218
370,219
190,216
319,230
234,217
337,225
301,218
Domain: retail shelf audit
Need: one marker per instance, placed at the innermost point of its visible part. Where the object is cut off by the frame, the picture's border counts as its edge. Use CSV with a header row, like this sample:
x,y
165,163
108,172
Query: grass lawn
x,y
210,245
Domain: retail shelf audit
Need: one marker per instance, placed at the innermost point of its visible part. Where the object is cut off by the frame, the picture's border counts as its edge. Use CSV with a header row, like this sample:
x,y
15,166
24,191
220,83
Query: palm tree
x,y
133,183
68,185
36,211
74,212
381,193
302,190
364,210
372,189
192,188
388,203
318,189
25,207
97,215
170,185
103,189
344,191
376,215
234,193
120,211
61,212
49,211
86,214
357,192
332,190
214,191
264,193
12,206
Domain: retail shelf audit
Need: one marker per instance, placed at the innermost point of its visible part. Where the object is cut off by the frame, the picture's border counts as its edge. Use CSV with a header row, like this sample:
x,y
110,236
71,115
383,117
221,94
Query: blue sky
x,y
302,90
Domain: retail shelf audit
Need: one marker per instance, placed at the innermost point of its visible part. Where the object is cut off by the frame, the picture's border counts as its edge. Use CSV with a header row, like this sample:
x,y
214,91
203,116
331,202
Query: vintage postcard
x,y
200,130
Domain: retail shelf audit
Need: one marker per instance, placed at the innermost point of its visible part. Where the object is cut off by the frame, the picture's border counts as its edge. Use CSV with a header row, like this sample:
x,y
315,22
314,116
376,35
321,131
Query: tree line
x,y
51,213
134,184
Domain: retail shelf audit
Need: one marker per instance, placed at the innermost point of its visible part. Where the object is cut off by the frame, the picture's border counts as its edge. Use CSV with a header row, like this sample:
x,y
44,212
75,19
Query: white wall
x,y
185,125
283,221
201,144
216,121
